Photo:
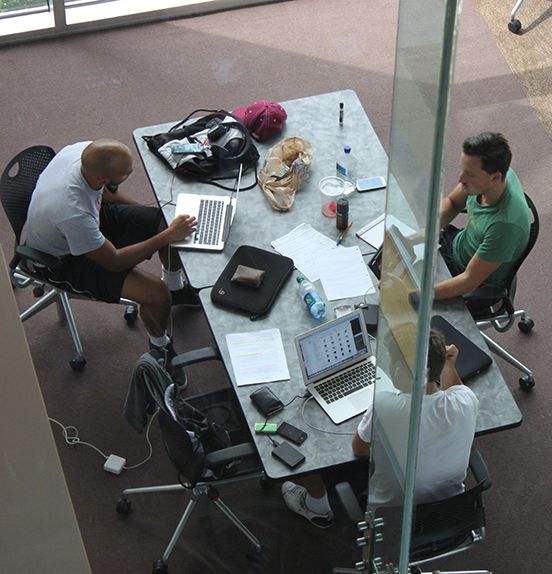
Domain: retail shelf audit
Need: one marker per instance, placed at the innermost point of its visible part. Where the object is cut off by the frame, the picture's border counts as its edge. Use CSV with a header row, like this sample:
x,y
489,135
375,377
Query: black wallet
x,y
266,401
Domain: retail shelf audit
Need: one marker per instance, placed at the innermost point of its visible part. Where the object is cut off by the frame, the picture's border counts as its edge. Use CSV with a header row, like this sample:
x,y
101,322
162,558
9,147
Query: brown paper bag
x,y
285,166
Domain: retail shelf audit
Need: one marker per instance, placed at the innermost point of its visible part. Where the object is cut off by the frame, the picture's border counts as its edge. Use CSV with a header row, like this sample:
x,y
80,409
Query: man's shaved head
x,y
105,157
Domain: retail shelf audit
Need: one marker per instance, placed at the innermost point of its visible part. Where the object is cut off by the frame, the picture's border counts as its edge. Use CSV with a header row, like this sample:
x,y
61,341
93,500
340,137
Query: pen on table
x,y
342,236
341,104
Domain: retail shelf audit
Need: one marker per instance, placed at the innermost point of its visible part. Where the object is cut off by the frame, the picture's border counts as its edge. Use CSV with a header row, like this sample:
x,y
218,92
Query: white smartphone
x,y
370,183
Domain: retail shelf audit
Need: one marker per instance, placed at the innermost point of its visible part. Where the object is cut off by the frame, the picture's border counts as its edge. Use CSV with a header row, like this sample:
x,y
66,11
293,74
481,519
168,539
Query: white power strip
x,y
114,464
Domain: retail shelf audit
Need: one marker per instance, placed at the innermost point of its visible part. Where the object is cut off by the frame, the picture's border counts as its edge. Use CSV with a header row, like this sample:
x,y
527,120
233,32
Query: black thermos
x,y
342,213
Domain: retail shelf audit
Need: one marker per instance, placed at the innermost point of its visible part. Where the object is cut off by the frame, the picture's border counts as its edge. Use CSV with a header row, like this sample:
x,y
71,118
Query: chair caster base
x,y
131,314
514,26
38,291
266,484
526,325
254,554
77,363
123,506
160,567
527,382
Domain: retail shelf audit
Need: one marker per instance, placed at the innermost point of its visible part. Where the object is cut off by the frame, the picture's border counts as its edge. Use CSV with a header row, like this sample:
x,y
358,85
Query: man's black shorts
x,y
123,225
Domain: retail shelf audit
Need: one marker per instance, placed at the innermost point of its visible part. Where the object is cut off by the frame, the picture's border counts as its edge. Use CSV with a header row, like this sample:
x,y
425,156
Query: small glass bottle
x,y
342,213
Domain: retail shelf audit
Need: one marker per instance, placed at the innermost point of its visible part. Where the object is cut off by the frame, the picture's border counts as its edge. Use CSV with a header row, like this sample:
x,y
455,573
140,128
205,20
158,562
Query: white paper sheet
x,y
373,232
305,246
344,274
257,357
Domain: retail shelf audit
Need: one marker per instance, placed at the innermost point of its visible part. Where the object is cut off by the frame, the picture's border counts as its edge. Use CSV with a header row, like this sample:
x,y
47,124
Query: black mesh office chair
x,y
29,267
495,308
205,465
439,529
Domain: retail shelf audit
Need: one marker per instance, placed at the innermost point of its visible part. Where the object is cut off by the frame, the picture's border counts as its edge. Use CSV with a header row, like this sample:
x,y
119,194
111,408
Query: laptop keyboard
x,y
346,383
209,220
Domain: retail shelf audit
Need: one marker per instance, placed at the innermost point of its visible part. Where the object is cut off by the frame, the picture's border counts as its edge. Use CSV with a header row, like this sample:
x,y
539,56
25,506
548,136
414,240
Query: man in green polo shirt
x,y
497,232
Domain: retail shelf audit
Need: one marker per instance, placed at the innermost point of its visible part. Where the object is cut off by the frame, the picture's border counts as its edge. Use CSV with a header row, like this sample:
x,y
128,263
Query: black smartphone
x,y
292,433
288,454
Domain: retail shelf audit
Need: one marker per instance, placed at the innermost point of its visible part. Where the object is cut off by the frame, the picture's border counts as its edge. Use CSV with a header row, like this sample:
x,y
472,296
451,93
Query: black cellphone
x,y
288,454
292,433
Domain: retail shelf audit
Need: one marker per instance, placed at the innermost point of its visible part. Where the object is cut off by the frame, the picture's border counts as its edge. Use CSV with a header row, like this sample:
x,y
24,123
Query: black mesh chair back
x,y
219,425
444,525
19,181
533,236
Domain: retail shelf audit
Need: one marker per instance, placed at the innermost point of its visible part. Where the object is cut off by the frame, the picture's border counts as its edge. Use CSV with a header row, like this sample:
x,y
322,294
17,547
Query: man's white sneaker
x,y
295,498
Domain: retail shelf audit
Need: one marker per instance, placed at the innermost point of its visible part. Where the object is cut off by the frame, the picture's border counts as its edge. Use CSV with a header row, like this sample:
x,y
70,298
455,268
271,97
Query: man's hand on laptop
x,y
181,227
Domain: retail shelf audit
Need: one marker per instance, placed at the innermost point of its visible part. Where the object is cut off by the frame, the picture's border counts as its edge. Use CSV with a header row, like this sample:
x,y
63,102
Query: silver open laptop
x,y
338,366
214,214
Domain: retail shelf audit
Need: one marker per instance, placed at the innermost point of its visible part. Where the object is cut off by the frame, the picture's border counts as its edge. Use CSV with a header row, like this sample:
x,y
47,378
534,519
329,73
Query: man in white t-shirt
x,y
77,213
447,427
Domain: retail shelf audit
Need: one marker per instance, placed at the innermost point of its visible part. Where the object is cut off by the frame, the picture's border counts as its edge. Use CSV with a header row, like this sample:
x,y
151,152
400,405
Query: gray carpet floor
x,y
107,84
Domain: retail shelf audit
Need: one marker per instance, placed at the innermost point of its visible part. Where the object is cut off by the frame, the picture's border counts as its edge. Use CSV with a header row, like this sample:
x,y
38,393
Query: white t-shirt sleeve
x,y
82,234
364,429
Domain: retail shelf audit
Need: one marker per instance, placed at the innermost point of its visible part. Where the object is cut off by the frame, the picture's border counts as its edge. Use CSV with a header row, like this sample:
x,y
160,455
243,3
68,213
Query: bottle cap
x,y
299,278
347,149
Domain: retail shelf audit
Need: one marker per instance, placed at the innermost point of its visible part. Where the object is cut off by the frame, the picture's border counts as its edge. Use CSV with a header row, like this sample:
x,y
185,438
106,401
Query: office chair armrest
x,y
230,454
196,356
480,470
349,501
35,256
486,293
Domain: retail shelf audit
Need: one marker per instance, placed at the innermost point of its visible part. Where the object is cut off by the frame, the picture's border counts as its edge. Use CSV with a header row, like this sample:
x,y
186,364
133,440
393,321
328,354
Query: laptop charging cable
x,y
113,463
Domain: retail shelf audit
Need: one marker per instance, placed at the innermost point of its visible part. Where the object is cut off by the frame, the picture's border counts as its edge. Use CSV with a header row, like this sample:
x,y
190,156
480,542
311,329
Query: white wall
x,y
39,533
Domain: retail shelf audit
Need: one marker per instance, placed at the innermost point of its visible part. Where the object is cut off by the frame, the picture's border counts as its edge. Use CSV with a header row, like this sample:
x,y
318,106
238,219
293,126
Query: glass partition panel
x,y
423,68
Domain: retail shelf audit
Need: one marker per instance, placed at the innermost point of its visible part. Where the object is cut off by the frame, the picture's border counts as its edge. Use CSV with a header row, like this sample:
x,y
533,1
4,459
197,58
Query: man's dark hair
x,y
493,150
436,355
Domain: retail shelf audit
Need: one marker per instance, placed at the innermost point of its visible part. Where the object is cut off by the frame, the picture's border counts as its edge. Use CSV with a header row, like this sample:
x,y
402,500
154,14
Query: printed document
x,y
257,357
344,274
306,247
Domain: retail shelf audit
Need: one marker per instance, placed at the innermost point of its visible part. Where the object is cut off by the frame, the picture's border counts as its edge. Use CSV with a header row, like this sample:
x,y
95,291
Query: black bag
x,y
224,144
256,301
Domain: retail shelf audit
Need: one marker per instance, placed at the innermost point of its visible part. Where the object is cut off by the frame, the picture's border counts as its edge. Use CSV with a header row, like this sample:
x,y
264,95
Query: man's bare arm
x,y
449,374
452,205
475,274
360,448
113,259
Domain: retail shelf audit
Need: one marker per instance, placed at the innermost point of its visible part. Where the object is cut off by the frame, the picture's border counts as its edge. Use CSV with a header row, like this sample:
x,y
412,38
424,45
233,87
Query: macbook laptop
x,y
338,366
214,214
471,359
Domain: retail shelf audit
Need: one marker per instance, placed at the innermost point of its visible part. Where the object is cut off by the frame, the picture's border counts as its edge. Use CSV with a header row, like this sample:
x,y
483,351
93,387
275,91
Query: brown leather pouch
x,y
248,276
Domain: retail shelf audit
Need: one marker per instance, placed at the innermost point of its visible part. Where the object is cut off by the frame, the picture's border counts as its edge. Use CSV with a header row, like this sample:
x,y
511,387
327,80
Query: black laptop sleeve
x,y
256,301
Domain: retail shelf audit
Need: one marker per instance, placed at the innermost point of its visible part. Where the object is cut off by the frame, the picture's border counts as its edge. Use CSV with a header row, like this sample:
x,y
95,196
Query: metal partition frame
x,y
426,41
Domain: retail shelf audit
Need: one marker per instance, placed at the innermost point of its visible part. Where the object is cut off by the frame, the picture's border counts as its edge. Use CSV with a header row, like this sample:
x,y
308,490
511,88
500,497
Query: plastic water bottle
x,y
345,168
312,299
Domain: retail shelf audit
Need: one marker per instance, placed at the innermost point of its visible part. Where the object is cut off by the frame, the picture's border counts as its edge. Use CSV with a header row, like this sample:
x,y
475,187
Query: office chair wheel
x,y
131,314
160,567
526,325
123,506
266,484
514,26
254,553
77,363
527,382
38,291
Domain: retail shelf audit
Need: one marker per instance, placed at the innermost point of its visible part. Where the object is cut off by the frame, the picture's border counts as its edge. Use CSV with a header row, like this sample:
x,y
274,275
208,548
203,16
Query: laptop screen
x,y
333,346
